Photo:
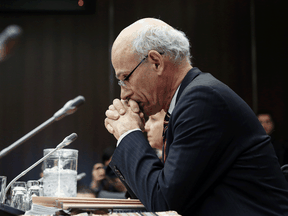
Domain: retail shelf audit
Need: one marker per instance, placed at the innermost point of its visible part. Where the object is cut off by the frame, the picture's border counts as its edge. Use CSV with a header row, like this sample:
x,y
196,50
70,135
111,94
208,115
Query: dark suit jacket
x,y
219,159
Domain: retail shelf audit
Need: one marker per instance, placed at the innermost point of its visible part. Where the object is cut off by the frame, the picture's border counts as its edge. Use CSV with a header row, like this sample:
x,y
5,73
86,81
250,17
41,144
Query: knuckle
x,y
106,113
116,101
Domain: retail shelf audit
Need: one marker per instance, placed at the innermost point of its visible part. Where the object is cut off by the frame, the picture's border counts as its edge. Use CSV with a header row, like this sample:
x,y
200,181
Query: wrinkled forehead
x,y
123,55
121,51
123,43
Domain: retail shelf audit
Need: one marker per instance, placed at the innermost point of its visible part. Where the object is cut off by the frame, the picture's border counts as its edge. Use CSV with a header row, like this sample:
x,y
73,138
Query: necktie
x,y
166,122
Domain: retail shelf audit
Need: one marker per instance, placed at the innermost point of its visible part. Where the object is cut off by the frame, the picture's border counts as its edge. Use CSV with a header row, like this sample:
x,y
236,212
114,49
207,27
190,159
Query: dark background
x,y
62,55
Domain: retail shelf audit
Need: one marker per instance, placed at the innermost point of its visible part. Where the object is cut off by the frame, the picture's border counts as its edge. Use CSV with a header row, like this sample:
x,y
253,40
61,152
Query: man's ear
x,y
157,61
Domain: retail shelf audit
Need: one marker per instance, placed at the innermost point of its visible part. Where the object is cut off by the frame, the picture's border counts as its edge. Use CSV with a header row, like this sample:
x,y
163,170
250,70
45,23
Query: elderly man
x,y
218,158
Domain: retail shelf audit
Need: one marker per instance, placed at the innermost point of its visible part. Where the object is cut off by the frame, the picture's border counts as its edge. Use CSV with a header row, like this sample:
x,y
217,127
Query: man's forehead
x,y
121,48
123,43
122,60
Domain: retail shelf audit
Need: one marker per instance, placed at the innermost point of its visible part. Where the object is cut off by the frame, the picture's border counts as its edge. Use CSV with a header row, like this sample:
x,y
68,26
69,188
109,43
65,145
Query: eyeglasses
x,y
122,82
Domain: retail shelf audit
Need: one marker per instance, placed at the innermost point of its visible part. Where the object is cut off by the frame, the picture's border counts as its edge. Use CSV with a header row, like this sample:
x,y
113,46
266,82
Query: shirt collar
x,y
173,101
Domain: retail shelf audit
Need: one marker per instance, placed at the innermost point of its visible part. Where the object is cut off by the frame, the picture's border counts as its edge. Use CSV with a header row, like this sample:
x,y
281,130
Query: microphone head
x,y
11,32
72,137
8,40
69,108
78,101
67,140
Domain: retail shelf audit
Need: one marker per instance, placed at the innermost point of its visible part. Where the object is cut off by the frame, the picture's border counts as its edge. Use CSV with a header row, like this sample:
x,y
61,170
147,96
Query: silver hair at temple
x,y
170,41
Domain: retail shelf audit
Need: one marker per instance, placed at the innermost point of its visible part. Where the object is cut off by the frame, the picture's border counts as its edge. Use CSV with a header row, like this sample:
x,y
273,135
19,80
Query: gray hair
x,y
170,41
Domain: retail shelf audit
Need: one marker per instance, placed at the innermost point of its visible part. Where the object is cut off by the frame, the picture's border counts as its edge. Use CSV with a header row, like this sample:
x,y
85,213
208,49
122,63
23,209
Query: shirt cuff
x,y
126,133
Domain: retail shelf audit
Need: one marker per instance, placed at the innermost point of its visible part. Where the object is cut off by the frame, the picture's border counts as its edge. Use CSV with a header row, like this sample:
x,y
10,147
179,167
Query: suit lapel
x,y
194,72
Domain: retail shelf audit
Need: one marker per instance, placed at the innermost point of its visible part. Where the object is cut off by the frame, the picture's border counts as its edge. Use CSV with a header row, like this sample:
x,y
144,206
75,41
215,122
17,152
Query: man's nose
x,y
125,93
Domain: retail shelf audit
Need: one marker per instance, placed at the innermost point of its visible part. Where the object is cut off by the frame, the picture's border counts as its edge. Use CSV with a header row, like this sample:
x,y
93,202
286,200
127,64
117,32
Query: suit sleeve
x,y
197,139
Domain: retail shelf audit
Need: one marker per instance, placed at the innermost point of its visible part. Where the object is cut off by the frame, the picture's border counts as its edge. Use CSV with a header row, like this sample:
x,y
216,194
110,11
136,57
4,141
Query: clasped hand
x,y
123,116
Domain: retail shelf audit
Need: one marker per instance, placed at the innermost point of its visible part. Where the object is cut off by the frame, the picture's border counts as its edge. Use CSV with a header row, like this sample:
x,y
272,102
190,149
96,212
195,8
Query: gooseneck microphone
x,y
69,139
69,108
8,40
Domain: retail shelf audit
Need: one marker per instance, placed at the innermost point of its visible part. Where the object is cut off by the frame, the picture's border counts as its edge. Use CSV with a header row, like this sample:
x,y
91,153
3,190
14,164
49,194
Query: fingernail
x,y
122,111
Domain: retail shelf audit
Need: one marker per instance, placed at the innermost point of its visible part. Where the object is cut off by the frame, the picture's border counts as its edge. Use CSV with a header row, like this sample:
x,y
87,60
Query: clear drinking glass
x,y
60,173
3,180
18,185
33,189
19,195
34,185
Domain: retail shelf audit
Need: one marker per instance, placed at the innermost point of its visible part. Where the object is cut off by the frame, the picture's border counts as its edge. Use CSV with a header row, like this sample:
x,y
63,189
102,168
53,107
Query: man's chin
x,y
150,111
146,109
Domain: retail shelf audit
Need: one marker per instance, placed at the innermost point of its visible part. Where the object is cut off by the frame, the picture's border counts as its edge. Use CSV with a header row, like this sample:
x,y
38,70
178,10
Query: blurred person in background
x,y
105,183
267,121
154,129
